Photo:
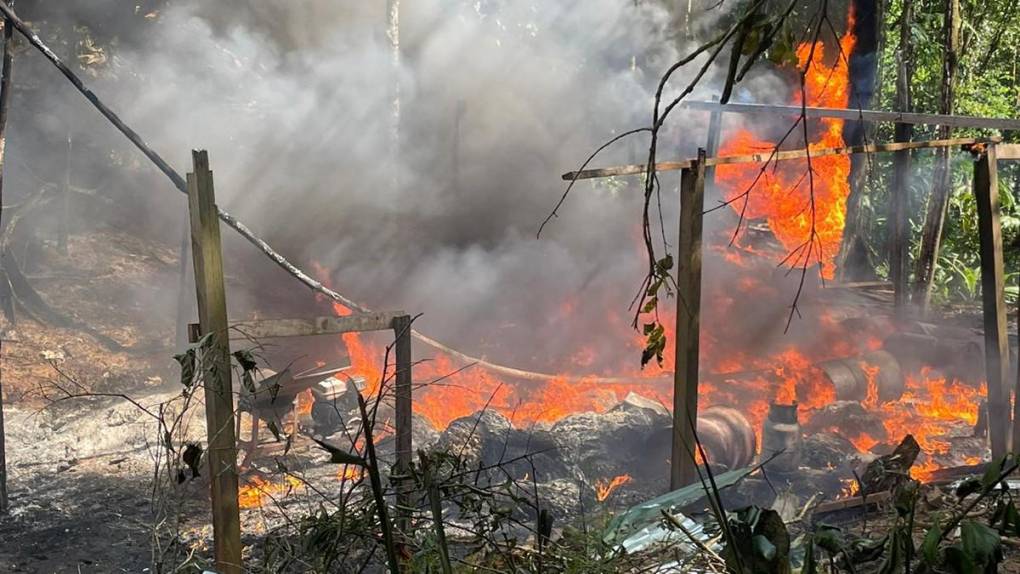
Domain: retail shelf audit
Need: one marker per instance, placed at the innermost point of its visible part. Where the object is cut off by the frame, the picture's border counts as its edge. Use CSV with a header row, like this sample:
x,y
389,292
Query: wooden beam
x,y
219,397
712,146
403,420
993,283
1007,151
636,169
271,328
683,468
863,115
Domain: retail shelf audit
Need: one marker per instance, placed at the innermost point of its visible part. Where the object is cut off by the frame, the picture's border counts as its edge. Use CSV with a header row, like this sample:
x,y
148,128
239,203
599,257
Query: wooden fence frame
x,y
219,396
987,153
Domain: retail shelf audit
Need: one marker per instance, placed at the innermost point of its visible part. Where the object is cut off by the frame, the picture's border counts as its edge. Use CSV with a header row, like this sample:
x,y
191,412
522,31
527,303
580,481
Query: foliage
x,y
988,85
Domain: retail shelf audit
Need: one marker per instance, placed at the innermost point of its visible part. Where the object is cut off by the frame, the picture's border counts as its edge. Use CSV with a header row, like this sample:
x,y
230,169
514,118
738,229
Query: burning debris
x,y
852,401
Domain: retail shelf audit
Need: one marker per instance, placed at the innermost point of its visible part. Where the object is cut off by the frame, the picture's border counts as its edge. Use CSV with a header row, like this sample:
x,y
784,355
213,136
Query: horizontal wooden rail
x,y
357,323
769,156
1007,151
862,115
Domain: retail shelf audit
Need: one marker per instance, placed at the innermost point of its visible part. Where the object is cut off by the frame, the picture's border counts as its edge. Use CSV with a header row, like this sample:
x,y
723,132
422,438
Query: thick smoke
x,y
293,103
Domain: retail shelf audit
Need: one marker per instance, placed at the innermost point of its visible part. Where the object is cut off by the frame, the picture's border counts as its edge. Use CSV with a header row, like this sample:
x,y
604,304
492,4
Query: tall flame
x,y
805,210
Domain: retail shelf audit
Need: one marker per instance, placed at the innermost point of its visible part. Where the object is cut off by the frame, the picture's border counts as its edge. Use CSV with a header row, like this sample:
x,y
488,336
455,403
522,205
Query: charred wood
x,y
886,473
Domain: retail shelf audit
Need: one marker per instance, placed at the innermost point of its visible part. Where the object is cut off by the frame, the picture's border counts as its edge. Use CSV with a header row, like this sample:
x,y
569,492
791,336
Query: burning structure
x,y
849,372
812,398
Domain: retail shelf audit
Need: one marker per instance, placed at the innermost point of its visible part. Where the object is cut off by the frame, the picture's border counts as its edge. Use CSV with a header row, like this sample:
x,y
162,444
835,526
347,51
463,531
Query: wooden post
x,y
899,232
5,100
219,398
899,227
986,192
184,304
404,447
712,145
683,469
938,203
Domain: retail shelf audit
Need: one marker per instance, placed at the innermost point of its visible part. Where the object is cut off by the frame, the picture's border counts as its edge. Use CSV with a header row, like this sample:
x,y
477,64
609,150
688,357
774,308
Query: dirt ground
x,y
80,470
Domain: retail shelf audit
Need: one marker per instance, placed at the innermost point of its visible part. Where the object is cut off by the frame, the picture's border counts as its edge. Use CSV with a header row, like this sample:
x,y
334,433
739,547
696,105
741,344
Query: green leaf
x,y
894,559
1011,520
992,472
650,305
829,538
653,289
930,546
981,544
959,562
246,359
187,360
810,563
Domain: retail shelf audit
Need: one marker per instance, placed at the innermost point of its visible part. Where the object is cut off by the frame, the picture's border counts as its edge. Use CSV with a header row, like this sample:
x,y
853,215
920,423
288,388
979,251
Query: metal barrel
x,y
850,376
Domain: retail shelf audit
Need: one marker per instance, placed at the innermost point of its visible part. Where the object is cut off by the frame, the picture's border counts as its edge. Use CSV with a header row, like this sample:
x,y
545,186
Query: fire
x,y
871,372
741,374
806,212
923,471
252,494
603,488
930,406
365,360
929,410
849,488
863,442
304,403
349,473
801,382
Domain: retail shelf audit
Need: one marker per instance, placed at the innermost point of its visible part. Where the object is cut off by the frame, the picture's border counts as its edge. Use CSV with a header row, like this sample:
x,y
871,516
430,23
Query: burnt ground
x,y
81,469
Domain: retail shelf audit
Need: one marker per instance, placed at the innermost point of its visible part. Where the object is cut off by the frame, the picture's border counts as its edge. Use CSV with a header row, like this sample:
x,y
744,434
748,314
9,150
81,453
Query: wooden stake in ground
x,y
993,289
219,398
5,100
899,231
712,147
185,309
402,391
683,468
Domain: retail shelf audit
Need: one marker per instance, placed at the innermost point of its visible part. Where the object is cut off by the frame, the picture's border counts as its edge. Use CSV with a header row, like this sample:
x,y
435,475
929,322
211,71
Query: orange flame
x,y
603,488
349,473
805,211
253,494
782,198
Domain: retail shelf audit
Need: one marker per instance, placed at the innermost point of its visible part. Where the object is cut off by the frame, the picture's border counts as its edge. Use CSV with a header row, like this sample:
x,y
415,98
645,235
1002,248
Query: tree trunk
x,y
853,263
938,204
898,221
5,100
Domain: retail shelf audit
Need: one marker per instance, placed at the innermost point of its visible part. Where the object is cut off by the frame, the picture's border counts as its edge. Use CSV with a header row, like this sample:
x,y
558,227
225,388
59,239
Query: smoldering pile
x,y
620,456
